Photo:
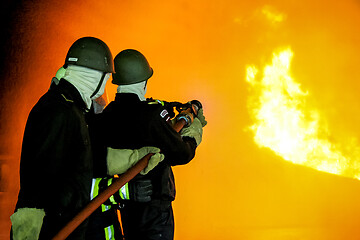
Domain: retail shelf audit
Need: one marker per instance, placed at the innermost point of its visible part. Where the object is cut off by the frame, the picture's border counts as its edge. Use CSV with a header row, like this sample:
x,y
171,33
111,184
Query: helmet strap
x,y
146,83
99,85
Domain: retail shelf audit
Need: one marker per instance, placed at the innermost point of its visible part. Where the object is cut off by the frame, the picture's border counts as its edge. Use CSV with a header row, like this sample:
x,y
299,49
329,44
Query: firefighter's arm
x,y
120,160
26,223
178,148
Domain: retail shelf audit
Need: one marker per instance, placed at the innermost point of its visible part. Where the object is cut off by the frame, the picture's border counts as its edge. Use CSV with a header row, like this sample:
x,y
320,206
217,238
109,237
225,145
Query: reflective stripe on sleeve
x,y
112,199
109,233
124,192
94,188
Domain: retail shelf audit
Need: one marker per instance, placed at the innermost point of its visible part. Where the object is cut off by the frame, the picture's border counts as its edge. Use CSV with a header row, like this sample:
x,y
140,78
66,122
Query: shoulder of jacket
x,y
159,111
153,108
152,101
50,111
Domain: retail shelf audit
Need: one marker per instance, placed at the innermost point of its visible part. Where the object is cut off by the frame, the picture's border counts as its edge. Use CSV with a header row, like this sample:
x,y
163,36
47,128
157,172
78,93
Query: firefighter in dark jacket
x,y
56,165
133,122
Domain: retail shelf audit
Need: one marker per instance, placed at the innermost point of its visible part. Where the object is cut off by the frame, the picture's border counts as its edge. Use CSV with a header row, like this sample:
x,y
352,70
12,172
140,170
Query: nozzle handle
x,y
196,106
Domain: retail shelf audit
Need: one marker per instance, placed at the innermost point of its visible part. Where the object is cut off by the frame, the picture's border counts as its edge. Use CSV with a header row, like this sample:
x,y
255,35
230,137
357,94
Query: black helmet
x,y
92,53
131,67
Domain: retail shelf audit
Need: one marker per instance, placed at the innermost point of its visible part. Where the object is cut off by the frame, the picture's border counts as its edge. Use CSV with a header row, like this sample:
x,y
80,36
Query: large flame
x,y
284,124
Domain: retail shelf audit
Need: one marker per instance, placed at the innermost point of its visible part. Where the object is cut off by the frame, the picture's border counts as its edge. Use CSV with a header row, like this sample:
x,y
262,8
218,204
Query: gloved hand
x,y
137,190
194,131
26,223
201,117
153,162
120,160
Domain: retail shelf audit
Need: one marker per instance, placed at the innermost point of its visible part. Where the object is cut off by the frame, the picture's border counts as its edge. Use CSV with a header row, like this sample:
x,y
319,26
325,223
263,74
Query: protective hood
x,y
59,75
89,82
137,88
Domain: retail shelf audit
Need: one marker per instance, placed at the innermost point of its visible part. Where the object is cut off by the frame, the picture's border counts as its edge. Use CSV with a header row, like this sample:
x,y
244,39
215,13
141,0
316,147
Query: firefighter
x,y
104,222
56,165
133,122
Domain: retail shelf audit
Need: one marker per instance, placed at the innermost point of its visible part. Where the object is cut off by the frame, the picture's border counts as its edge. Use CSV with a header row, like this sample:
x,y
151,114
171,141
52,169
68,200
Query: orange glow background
x,y
199,50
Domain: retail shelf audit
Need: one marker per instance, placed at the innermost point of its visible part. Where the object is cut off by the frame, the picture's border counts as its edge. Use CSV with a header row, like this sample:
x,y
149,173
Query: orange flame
x,y
286,126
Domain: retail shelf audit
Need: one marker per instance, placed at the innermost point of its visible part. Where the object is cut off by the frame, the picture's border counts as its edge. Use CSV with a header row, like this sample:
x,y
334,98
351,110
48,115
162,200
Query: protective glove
x,y
120,160
153,162
194,131
137,190
201,117
26,223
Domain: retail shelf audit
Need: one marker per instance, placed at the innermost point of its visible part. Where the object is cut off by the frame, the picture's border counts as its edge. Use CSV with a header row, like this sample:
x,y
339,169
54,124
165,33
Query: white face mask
x,y
86,81
101,90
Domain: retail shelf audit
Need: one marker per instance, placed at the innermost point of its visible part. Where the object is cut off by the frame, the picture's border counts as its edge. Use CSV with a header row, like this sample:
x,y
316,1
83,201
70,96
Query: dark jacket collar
x,y
70,93
127,97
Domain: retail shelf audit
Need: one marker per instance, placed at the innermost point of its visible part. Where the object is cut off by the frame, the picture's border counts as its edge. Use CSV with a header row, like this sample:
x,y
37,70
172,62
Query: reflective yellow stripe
x,y
112,232
109,232
68,100
127,190
112,198
124,192
156,101
95,188
104,207
161,102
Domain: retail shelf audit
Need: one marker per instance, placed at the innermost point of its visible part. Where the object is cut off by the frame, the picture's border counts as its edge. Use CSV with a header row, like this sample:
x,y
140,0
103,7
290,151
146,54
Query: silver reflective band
x,y
92,189
109,233
123,192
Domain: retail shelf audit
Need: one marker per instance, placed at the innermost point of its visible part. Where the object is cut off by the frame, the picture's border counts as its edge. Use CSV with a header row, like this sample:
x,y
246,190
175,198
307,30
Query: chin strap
x,y
99,85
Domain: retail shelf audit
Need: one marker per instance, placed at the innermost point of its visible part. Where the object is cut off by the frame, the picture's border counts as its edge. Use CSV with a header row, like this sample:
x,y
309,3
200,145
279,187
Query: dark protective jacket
x,y
130,123
56,159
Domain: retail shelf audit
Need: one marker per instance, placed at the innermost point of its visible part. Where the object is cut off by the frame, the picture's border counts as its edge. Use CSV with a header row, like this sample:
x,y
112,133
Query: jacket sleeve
x,y
97,126
177,150
42,158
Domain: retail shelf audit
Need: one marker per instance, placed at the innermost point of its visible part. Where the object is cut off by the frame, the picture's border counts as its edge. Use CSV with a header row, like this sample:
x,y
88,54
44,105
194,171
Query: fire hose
x,y
187,112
